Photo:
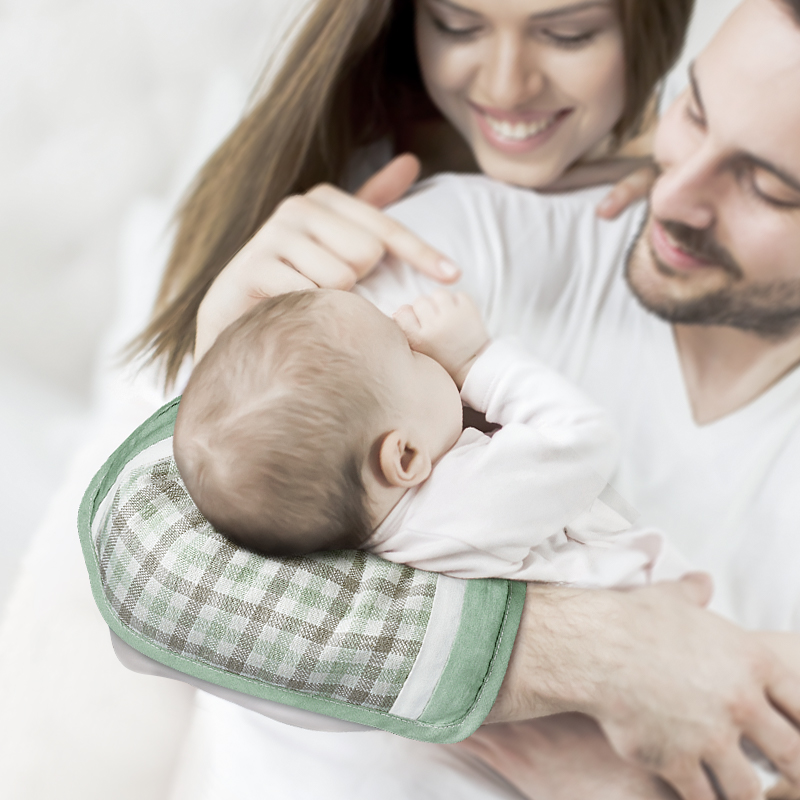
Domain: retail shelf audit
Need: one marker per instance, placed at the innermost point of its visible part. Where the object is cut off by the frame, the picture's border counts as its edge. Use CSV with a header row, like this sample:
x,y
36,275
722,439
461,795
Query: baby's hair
x,y
271,435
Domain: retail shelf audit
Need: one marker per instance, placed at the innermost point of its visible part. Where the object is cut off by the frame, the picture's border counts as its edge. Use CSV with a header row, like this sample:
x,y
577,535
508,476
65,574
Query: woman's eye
x,y
455,31
569,40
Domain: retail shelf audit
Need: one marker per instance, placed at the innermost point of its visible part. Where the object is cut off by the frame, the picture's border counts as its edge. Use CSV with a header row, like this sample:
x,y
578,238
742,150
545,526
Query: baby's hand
x,y
447,327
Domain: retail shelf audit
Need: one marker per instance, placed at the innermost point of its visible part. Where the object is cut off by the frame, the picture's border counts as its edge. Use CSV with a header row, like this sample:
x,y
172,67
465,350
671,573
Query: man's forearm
x,y
544,675
673,686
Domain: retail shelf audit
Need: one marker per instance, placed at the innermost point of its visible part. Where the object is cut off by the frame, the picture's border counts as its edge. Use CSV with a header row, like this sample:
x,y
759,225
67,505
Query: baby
x,y
316,422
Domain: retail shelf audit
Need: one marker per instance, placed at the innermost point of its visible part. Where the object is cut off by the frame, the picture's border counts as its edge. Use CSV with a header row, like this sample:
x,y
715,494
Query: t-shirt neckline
x,y
748,415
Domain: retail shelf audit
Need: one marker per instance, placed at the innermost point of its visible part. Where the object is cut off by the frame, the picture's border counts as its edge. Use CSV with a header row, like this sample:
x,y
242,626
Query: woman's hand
x,y
632,187
633,178
562,757
324,238
631,169
783,791
641,177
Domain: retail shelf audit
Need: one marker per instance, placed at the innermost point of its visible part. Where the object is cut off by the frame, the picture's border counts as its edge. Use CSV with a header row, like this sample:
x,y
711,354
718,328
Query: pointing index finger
x,y
397,240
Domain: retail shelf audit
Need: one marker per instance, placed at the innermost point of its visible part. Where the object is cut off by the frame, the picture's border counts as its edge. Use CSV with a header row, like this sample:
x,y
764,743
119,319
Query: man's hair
x,y
272,430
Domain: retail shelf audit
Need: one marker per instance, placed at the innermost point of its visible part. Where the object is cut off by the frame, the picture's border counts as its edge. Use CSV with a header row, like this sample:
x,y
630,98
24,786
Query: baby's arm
x,y
503,381
532,502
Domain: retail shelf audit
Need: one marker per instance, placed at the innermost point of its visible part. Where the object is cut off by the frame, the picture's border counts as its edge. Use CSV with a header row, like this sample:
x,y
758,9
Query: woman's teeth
x,y
518,131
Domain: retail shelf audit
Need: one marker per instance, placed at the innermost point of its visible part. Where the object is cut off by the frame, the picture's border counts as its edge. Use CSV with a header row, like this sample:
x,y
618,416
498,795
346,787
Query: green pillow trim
x,y
467,685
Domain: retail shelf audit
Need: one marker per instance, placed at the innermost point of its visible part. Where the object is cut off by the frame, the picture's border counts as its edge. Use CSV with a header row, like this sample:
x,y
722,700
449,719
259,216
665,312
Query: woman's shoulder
x,y
476,207
462,189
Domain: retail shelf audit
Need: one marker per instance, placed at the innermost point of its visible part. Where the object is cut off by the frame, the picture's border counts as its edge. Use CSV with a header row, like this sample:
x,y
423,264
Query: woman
x,y
543,93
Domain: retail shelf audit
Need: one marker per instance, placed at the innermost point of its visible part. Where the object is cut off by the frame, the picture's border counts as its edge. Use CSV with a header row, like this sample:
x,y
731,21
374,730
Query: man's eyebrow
x,y
696,89
556,12
781,174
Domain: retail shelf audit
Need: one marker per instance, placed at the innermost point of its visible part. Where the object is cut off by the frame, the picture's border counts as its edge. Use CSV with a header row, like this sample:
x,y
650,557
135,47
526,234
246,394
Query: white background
x,y
104,104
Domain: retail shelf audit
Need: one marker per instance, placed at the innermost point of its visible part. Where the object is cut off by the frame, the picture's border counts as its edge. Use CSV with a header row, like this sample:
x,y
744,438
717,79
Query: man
x,y
706,392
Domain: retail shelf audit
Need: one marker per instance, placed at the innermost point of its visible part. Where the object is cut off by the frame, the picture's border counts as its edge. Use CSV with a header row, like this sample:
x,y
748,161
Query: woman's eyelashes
x,y
563,39
455,31
569,41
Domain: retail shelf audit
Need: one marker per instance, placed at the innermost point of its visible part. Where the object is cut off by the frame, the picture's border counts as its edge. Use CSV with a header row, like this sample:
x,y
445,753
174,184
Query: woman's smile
x,y
517,132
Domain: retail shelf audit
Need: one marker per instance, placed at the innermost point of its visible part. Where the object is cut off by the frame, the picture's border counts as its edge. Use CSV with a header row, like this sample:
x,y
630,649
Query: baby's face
x,y
419,389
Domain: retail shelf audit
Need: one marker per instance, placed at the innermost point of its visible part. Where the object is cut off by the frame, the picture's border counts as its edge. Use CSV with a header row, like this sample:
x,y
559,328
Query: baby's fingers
x,y
408,322
630,189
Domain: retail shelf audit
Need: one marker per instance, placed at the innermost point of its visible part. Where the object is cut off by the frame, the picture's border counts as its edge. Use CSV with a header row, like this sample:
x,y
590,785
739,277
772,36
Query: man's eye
x,y
693,112
770,188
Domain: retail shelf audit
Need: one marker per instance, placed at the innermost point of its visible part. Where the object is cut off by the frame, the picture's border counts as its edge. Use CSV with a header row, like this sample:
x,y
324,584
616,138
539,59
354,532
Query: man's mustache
x,y
700,242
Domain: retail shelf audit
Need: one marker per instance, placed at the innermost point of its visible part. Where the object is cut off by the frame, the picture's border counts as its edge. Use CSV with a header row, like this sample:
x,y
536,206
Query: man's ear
x,y
401,463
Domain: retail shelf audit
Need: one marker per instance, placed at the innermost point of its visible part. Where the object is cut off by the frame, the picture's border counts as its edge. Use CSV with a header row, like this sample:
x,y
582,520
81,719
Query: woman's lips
x,y
517,133
671,254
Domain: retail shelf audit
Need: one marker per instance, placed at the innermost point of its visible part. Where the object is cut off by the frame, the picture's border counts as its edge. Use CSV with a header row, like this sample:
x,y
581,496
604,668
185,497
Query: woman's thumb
x,y
391,182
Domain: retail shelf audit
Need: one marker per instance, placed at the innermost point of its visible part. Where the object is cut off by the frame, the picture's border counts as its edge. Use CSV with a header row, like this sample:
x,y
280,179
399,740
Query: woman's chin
x,y
532,175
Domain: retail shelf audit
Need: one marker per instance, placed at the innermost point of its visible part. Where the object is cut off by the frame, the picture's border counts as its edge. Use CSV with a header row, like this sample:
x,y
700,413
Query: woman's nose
x,y
511,76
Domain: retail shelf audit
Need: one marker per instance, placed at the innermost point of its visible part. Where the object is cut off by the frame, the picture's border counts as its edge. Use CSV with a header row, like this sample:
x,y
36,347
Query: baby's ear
x,y
401,463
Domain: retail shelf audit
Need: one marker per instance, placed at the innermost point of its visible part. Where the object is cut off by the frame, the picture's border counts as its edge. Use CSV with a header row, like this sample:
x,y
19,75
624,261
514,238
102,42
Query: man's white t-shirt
x,y
545,268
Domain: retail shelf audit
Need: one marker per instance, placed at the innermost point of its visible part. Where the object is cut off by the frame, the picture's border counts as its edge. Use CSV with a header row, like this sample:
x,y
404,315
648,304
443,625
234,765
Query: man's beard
x,y
770,310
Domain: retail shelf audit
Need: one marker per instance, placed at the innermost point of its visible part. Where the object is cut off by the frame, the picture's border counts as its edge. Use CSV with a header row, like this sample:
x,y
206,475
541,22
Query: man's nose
x,y
688,191
510,76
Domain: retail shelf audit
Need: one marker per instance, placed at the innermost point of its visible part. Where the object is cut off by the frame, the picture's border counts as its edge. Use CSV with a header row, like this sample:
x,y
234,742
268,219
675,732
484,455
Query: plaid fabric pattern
x,y
345,626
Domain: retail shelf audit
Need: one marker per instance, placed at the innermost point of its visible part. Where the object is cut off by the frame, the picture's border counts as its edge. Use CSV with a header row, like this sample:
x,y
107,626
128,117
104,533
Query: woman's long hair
x,y
350,78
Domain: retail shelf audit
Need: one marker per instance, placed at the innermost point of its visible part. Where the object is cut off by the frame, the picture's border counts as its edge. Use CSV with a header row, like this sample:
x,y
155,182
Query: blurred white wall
x,y
98,99
102,103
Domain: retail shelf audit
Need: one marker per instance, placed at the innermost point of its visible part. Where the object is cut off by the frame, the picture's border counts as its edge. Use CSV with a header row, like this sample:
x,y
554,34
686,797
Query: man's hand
x,y
673,686
447,327
562,757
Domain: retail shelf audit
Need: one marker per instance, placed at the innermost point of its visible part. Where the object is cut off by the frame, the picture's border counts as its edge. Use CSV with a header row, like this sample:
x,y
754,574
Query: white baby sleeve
x,y
489,501
530,503
512,387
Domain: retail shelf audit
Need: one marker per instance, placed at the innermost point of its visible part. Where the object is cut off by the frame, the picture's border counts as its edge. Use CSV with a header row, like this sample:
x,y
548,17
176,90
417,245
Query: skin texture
x,y
562,757
553,63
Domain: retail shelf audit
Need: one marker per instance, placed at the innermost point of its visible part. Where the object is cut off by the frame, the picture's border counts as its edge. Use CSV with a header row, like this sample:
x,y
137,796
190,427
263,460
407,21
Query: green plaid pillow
x,y
345,634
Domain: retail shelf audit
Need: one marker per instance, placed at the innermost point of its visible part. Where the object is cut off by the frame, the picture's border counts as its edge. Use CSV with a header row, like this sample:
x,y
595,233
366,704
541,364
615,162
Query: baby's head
x,y
304,417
